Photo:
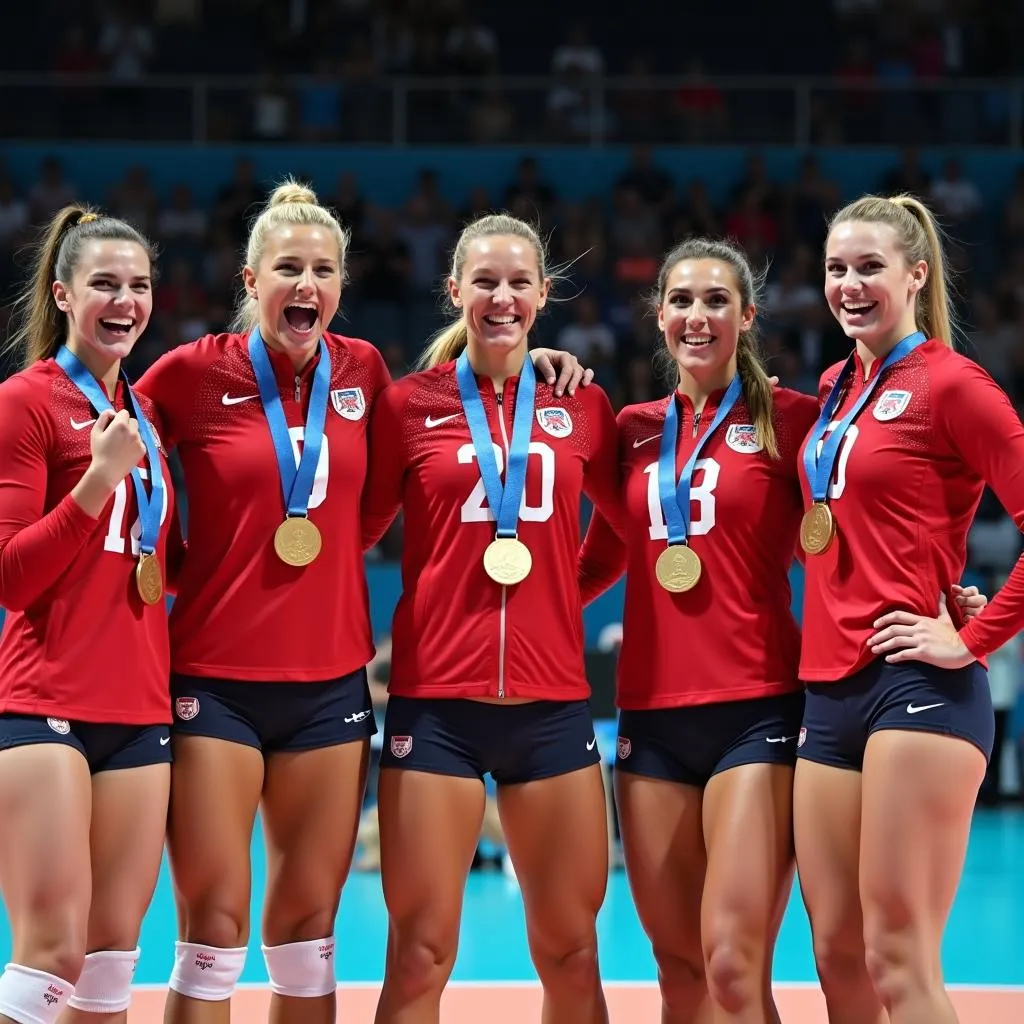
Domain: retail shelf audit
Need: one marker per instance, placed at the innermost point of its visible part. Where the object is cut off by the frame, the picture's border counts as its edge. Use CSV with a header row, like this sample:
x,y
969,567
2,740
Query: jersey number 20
x,y
474,508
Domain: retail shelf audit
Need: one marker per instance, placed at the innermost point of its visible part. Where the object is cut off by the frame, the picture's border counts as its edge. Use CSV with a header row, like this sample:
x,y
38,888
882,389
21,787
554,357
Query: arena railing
x,y
400,111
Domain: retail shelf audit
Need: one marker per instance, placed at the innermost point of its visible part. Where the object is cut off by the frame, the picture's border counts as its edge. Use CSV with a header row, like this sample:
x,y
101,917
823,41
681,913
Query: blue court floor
x,y
984,942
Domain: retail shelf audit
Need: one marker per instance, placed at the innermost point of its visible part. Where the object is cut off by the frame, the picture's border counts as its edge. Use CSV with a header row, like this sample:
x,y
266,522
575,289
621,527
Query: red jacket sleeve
x,y
602,558
170,384
983,428
602,477
382,493
36,548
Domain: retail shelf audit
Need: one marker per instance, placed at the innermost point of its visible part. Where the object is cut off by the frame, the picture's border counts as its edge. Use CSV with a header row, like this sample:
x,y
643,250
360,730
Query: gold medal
x,y
149,579
678,568
297,541
817,528
507,560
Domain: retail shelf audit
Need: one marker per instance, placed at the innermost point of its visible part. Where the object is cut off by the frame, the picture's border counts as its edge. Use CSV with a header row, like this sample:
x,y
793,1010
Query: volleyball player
x,y
270,633
487,668
707,677
85,508
898,722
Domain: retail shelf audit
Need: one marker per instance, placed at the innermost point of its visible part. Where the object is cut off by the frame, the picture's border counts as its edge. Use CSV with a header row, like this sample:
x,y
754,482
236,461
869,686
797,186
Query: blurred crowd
x,y
605,250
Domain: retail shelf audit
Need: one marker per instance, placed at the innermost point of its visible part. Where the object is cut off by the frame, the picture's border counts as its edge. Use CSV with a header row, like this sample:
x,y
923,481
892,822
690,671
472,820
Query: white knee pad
x,y
33,997
206,972
105,984
302,969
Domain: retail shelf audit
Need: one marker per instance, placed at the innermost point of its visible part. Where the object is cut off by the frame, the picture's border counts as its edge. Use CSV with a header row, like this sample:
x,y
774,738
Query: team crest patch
x,y
349,403
61,726
555,421
401,746
802,738
623,748
891,405
742,438
186,708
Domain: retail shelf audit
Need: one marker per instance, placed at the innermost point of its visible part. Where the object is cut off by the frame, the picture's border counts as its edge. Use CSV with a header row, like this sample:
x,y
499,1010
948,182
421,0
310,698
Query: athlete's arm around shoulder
x,y
36,546
602,558
602,477
386,463
974,416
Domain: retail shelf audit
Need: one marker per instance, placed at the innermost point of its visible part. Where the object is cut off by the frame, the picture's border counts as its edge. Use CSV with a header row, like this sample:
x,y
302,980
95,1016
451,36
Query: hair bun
x,y
292,192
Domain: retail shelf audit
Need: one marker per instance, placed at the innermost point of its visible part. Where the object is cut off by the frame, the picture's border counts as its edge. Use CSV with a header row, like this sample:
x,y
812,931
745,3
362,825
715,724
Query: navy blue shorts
x,y
106,748
839,717
274,717
468,738
691,744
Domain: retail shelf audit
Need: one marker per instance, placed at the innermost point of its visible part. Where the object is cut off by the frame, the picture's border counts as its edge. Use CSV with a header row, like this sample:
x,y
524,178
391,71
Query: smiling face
x,y
499,291
297,286
701,315
869,284
108,300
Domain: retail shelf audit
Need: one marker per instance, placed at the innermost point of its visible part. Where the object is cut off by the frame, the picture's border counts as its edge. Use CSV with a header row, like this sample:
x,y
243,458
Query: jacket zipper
x,y
504,590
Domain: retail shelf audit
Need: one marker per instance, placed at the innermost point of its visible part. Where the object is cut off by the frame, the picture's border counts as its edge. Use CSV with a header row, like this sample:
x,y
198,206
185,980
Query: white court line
x,y
520,983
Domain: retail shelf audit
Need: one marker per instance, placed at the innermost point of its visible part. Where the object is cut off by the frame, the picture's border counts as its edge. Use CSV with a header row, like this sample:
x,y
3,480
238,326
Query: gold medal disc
x,y
149,579
817,528
297,541
507,560
678,568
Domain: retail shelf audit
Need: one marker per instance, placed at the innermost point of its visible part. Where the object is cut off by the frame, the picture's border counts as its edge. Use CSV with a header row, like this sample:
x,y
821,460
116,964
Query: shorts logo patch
x,y
742,438
891,405
802,738
401,746
61,726
349,403
186,708
555,421
623,748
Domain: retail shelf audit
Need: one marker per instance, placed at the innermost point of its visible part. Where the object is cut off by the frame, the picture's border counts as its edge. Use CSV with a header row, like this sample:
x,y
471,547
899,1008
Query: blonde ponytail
x,y
920,239
448,343
445,346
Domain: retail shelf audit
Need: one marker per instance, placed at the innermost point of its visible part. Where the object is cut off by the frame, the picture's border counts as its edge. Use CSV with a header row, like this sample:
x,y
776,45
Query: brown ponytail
x,y
757,389
41,324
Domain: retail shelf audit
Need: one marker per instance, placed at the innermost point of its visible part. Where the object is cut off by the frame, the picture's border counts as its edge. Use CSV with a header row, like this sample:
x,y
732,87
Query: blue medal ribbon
x,y
296,479
151,506
818,467
675,497
504,499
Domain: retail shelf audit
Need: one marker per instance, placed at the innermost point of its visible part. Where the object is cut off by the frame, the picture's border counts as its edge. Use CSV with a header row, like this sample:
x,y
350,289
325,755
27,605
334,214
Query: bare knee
x,y
840,962
734,974
420,960
681,977
898,964
55,943
294,924
569,965
215,923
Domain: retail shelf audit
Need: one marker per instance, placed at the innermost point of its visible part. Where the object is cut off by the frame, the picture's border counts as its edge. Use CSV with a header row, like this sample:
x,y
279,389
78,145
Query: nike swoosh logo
x,y
231,400
636,444
431,422
592,744
357,717
83,425
779,739
913,710
164,740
